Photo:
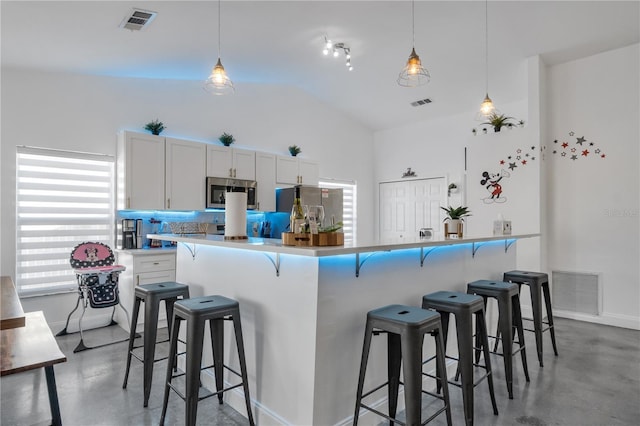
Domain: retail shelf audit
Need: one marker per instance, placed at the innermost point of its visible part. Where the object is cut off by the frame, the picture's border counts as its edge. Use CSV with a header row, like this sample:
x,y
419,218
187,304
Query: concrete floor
x,y
594,381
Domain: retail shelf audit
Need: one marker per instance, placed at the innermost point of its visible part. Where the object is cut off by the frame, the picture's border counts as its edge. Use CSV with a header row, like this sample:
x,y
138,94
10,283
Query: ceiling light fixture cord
x,y
413,74
219,82
486,44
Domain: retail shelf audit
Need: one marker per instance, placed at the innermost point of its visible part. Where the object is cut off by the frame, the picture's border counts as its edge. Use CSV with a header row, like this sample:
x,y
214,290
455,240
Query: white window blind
x,y
62,199
349,206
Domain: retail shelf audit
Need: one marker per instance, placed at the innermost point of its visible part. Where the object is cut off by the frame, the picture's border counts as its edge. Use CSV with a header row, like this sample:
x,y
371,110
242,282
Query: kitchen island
x,y
304,311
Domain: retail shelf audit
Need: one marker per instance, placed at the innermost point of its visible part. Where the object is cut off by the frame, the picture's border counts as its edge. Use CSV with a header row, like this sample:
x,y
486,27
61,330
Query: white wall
x,y
84,113
593,202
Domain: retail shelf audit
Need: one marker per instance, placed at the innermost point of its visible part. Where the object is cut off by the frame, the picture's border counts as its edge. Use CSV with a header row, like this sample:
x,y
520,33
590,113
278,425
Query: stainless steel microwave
x,y
218,187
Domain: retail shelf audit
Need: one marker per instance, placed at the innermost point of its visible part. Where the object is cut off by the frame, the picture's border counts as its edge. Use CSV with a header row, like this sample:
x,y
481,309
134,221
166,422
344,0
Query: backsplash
x,y
259,224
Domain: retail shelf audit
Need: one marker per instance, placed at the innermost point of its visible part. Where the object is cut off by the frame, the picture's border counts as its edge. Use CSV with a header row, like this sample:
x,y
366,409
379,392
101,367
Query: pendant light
x,y
413,74
218,82
486,108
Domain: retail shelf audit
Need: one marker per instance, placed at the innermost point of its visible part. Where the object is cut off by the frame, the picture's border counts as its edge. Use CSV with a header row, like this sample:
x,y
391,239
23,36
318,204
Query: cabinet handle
x,y
128,202
156,263
137,279
235,172
168,203
231,172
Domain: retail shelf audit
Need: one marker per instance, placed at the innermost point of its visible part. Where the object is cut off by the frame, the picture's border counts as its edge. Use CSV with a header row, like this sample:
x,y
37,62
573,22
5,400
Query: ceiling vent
x,y
137,19
421,102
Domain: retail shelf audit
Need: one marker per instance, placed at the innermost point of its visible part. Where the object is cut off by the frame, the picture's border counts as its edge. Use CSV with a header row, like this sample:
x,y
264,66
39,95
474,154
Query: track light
x,y
335,49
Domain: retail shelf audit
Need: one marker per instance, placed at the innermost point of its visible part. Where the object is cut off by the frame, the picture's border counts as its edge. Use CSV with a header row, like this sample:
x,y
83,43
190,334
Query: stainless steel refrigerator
x,y
329,198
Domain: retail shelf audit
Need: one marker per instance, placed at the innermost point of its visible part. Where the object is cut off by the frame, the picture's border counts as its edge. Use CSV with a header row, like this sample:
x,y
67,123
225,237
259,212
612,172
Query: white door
x,y
266,178
219,161
407,206
244,164
185,174
144,181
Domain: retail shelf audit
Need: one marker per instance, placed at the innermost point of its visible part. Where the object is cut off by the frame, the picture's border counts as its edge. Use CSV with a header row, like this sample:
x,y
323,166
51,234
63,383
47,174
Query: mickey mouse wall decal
x,y
491,181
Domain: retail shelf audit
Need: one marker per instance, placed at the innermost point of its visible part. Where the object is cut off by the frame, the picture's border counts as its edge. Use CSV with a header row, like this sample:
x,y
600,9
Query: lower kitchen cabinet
x,y
145,266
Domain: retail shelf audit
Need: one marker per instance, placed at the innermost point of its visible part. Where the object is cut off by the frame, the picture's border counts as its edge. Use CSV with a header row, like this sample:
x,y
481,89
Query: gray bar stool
x,y
538,283
151,295
405,327
509,317
196,312
464,306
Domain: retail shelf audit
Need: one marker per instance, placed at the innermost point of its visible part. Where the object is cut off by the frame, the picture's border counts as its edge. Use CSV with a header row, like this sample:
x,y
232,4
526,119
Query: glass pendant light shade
x,y
413,74
487,108
218,82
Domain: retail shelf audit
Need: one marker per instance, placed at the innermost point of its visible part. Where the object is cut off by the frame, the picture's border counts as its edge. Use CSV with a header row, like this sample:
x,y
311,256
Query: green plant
x,y
500,120
155,127
454,213
226,139
294,150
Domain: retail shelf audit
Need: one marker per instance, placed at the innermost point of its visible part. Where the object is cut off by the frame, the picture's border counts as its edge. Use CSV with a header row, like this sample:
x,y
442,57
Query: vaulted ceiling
x,y
280,42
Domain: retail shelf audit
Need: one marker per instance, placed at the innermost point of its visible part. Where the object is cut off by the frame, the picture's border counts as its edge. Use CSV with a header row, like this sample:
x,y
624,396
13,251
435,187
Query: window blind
x,y
349,206
62,199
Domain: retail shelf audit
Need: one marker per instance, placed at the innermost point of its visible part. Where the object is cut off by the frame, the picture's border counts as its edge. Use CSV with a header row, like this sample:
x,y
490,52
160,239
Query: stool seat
x,y
163,290
405,327
205,306
454,302
507,296
196,312
538,283
465,306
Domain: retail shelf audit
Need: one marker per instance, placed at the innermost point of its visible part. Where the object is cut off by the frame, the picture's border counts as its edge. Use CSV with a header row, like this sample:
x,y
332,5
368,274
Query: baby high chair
x,y
97,284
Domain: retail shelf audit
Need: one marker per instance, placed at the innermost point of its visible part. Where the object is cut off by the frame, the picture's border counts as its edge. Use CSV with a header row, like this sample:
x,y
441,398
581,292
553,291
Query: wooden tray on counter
x,y
311,240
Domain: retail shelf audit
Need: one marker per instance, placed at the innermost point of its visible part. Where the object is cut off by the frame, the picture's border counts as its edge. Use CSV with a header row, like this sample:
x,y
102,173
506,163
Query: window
x,y
349,210
62,199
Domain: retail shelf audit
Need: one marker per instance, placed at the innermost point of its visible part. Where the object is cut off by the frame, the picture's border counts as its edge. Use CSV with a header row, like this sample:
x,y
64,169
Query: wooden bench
x,y
30,347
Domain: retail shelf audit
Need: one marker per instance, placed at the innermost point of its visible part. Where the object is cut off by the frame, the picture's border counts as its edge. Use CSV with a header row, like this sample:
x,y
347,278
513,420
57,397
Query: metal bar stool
x,y
509,318
464,306
196,312
405,327
538,283
151,295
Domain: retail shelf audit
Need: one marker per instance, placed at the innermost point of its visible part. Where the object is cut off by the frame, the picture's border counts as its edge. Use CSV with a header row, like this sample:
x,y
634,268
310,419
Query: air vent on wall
x,y
137,19
421,102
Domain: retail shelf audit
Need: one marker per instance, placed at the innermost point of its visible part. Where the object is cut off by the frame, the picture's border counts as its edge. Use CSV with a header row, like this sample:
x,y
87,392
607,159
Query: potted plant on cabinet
x,y
155,127
226,139
294,150
454,219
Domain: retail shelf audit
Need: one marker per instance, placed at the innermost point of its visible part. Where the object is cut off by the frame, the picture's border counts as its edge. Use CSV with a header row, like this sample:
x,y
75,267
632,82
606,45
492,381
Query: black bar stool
x,y
196,312
538,283
151,295
405,327
464,306
509,317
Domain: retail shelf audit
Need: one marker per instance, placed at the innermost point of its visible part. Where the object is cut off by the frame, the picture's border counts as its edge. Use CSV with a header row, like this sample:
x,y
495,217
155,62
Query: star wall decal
x,y
524,162
512,166
578,153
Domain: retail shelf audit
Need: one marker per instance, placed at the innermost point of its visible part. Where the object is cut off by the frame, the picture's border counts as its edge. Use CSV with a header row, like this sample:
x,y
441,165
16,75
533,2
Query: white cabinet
x,y
157,173
185,168
266,178
143,267
223,161
297,171
141,161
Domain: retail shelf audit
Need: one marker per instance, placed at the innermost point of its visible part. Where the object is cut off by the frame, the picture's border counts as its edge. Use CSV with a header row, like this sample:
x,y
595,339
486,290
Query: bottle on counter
x,y
297,221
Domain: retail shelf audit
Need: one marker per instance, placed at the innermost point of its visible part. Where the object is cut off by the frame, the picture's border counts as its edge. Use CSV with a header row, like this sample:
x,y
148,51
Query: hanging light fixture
x,y
219,82
413,74
486,108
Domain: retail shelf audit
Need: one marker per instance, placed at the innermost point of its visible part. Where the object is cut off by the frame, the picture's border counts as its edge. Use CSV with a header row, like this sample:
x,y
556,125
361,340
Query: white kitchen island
x,y
304,311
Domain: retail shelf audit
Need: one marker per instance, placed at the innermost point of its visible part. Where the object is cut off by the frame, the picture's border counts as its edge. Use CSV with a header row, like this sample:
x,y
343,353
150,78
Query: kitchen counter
x,y
304,311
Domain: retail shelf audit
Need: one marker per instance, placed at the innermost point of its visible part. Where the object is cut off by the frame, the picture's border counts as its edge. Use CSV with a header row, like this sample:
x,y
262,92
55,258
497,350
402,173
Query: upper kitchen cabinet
x,y
297,171
141,159
185,168
158,173
266,178
223,162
